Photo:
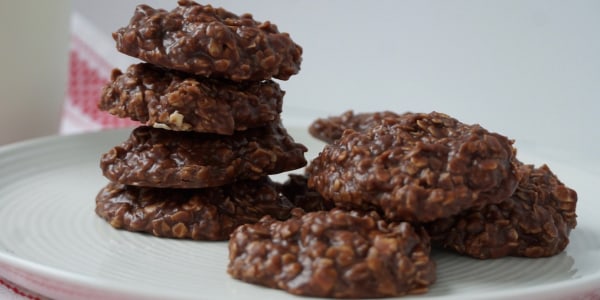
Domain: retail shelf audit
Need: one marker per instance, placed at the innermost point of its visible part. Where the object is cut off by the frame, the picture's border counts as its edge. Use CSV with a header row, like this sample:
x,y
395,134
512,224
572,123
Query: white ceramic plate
x,y
52,242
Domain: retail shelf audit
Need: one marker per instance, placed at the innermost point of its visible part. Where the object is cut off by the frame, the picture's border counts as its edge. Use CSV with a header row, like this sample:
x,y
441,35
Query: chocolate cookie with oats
x,y
534,222
154,157
331,128
417,167
211,42
199,214
333,253
174,100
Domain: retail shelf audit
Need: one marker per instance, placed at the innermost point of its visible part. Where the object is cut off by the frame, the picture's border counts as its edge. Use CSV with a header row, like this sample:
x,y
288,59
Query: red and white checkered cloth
x,y
92,56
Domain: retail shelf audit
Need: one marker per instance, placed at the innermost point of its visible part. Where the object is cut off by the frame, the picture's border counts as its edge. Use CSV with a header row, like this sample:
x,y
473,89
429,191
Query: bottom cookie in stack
x,y
198,214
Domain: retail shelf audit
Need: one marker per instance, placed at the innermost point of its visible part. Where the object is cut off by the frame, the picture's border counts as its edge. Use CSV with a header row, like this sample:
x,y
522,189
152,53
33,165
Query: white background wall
x,y
527,69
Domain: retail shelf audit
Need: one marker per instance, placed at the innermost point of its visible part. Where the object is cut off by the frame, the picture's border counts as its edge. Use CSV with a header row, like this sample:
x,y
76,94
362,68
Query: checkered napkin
x,y
92,56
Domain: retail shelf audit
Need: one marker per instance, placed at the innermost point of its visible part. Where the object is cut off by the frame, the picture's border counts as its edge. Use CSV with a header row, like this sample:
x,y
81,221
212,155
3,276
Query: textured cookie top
x,y
417,167
331,128
199,214
534,222
211,42
333,253
179,101
153,157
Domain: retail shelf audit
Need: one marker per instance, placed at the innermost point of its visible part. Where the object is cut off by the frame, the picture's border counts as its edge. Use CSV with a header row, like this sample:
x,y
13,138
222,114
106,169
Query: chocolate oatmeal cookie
x,y
534,222
178,101
199,214
417,167
333,253
210,42
154,157
331,128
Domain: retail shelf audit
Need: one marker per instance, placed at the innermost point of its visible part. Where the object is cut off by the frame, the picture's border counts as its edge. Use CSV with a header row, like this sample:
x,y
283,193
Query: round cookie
x,y
153,157
210,42
178,101
198,214
417,167
335,253
331,128
534,222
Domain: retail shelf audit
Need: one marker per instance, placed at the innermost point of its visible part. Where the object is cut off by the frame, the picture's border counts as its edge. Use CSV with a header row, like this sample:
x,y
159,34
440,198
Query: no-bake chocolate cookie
x,y
333,253
417,167
534,222
174,100
155,157
210,42
199,214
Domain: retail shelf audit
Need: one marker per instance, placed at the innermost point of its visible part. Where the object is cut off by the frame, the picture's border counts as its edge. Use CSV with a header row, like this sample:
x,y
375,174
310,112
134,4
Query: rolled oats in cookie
x,y
331,128
174,100
417,167
154,157
198,214
210,42
335,253
534,222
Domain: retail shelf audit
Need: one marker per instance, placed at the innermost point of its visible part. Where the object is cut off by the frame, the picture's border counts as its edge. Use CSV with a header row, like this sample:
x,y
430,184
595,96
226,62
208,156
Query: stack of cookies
x,y
199,165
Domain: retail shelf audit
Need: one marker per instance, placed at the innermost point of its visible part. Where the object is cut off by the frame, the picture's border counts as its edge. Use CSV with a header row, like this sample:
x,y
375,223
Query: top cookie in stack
x,y
212,130
210,42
